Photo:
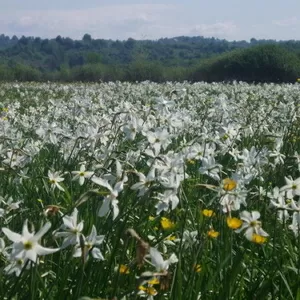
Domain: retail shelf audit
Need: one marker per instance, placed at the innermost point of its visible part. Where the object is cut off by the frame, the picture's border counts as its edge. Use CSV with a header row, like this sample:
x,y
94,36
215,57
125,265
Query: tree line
x,y
173,59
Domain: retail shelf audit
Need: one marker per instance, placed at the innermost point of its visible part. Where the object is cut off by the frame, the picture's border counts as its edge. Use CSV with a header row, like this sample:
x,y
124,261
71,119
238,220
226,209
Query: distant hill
x,y
90,58
262,63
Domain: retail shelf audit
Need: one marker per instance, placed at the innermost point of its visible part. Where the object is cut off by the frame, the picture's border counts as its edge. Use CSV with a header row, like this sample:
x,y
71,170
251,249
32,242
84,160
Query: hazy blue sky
x,y
116,19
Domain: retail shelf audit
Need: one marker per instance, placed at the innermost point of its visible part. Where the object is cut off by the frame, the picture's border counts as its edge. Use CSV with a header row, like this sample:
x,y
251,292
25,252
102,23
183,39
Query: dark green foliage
x,y
264,63
176,59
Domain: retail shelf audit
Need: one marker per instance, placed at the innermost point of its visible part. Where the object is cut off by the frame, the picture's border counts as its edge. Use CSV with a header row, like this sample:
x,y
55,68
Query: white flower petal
x,y
104,207
42,231
13,236
96,253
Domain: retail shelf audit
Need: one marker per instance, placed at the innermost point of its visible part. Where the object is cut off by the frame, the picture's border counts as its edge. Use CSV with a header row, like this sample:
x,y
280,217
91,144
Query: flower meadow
x,y
125,191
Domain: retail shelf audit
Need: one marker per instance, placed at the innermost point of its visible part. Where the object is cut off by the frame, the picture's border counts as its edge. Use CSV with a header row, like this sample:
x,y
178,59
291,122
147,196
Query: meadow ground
x,y
155,191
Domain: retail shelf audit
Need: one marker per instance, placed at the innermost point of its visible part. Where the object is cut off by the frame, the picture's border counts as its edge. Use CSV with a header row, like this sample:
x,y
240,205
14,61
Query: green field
x,y
155,191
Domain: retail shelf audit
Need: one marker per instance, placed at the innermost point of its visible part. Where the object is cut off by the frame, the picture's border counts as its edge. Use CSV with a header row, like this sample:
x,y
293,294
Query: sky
x,y
123,19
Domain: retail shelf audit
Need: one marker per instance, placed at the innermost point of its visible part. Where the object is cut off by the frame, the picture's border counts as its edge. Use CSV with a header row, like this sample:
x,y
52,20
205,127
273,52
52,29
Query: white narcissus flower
x,y
26,246
132,128
16,266
10,205
251,225
54,179
3,249
82,174
159,138
160,264
13,159
90,244
292,187
145,182
210,168
278,157
72,230
167,200
295,226
110,201
278,201
232,200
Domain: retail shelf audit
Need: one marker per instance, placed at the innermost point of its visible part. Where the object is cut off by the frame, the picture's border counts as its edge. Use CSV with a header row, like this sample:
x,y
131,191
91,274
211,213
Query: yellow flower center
x,y
28,245
255,223
20,262
191,161
89,246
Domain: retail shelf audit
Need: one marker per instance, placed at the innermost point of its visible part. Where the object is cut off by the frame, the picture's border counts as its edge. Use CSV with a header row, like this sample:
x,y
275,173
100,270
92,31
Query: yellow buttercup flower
x,y
213,234
197,268
208,213
258,239
171,238
234,223
124,269
148,290
229,184
166,223
153,281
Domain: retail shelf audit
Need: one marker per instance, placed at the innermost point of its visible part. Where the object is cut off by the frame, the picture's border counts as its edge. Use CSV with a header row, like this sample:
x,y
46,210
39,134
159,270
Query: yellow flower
x,y
197,268
124,269
229,184
171,238
234,223
153,281
148,290
191,161
213,234
258,239
225,137
208,213
151,218
166,223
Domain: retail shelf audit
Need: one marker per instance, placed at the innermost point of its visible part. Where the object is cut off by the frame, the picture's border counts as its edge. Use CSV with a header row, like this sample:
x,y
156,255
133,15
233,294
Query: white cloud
x,y
287,22
113,21
139,21
220,29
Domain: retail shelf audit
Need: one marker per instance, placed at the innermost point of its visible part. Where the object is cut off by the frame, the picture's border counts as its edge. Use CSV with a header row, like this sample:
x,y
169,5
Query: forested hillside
x,y
179,58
